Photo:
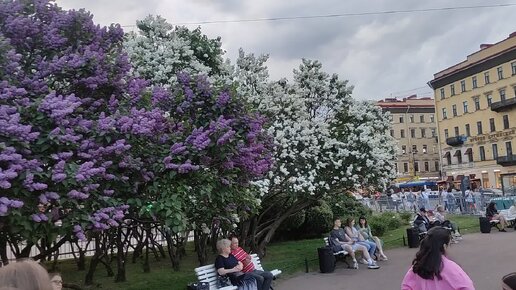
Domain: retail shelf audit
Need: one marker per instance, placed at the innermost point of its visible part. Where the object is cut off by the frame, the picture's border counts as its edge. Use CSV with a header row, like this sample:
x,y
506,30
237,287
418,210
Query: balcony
x,y
506,160
504,105
456,141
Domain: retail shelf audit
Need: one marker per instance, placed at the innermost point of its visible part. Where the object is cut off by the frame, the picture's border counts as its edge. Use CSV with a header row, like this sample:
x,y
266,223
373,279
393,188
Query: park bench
x,y
209,274
340,254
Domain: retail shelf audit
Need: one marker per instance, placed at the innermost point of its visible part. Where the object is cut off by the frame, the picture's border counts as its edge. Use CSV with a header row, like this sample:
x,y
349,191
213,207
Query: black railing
x,y
503,105
456,141
506,160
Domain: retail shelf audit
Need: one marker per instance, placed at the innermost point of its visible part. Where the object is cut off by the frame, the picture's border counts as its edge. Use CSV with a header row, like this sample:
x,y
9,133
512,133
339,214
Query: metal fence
x,y
68,249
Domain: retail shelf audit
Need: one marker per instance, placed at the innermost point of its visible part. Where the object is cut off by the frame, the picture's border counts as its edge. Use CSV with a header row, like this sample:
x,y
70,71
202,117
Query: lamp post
x,y
414,162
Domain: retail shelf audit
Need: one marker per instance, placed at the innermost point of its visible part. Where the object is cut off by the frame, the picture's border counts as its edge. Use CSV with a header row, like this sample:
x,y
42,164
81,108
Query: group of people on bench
x,y
425,220
356,239
236,264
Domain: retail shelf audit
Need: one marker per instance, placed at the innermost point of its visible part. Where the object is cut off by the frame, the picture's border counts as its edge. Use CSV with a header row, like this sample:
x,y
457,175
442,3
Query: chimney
x,y
485,45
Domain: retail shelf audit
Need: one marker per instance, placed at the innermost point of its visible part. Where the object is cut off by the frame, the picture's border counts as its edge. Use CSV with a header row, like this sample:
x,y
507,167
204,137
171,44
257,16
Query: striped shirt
x,y
241,255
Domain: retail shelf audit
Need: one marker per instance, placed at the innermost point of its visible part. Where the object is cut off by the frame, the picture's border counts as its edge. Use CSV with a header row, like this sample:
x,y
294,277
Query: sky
x,y
382,55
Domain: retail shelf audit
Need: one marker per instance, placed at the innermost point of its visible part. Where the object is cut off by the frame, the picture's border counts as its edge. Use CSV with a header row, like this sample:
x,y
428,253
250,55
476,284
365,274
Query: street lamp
x,y
414,151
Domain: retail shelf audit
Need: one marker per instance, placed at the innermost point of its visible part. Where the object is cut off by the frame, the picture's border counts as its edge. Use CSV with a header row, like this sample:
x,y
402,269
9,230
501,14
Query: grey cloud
x,y
379,54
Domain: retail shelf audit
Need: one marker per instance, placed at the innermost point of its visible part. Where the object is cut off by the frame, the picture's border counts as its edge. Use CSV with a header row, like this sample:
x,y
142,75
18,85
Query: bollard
x,y
306,265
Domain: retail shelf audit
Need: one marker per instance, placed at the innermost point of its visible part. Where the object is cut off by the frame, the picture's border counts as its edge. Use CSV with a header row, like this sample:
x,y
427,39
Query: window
x,y
470,155
463,86
432,118
508,148
411,118
495,151
401,119
448,158
405,167
492,124
425,149
412,133
402,133
423,133
416,166
486,77
506,121
392,133
489,100
468,131
444,114
502,94
403,149
414,148
454,110
426,166
474,82
436,165
458,153
446,133
513,66
479,127
456,129
442,93
396,167
433,132
477,103
422,118
499,70
452,90
482,153
465,106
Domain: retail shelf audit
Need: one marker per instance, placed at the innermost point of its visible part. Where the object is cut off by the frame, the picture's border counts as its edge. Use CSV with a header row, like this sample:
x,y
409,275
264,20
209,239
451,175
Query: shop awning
x,y
447,154
468,151
457,153
417,183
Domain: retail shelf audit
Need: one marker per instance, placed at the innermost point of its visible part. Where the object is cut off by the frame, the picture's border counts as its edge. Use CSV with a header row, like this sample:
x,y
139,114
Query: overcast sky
x,y
381,55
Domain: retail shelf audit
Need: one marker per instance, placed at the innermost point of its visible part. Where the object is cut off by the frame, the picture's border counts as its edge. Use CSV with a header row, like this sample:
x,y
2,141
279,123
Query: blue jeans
x,y
263,279
371,247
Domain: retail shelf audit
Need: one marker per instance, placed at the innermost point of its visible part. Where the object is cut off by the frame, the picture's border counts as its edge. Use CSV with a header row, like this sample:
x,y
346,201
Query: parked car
x,y
492,192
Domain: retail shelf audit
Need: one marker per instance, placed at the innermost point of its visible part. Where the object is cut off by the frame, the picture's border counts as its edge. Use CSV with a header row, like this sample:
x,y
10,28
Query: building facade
x,y
475,103
414,128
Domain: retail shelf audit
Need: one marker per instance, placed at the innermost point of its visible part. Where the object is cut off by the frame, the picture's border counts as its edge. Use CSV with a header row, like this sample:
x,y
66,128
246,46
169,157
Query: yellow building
x,y
475,103
413,126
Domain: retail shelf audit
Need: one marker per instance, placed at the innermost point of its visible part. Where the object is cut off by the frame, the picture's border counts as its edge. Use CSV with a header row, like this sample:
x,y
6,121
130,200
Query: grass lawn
x,y
288,256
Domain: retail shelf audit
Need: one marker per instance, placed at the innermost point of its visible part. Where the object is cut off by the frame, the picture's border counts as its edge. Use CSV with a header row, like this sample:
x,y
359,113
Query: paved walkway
x,y
485,257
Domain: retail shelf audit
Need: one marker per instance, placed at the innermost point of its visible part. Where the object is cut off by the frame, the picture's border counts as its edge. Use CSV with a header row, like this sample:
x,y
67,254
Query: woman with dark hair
x,y
431,269
492,214
365,230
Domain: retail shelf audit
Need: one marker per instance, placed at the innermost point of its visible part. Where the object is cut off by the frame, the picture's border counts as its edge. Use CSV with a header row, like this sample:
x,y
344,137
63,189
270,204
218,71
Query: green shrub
x,y
405,217
378,227
391,220
343,205
318,220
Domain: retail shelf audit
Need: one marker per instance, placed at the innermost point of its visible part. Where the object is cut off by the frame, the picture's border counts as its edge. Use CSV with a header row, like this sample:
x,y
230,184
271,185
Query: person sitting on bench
x,y
422,222
339,235
263,278
492,214
439,215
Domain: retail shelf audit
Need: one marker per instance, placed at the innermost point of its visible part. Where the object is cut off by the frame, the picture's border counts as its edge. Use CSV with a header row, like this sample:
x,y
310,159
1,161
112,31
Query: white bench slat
x,y
209,274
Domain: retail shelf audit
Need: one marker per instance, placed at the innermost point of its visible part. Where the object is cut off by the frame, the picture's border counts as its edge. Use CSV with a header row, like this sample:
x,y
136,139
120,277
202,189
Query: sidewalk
x,y
485,257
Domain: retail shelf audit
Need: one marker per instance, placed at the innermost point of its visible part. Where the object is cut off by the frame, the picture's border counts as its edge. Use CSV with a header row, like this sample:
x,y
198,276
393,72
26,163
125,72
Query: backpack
x,y
334,245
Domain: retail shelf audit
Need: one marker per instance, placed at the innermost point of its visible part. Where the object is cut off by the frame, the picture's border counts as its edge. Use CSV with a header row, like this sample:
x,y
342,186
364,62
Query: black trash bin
x,y
413,237
509,281
326,260
485,225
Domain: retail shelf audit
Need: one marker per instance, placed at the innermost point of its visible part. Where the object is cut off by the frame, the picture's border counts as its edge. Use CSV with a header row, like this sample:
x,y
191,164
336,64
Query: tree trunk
x,y
172,251
88,280
262,236
120,257
201,243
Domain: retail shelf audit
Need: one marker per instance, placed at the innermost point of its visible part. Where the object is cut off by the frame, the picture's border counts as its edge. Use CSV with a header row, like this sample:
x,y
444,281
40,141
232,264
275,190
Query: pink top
x,y
453,278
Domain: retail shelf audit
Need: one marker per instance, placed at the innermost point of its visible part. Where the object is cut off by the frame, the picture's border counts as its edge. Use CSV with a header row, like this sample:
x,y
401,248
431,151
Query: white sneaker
x,y
363,261
373,266
354,265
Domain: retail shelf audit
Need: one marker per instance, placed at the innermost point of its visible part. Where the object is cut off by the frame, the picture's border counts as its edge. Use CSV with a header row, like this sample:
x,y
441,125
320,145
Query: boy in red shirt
x,y
263,278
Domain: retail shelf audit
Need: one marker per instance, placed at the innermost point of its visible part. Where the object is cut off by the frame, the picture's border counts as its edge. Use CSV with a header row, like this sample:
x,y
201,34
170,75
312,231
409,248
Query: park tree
x,y
326,143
